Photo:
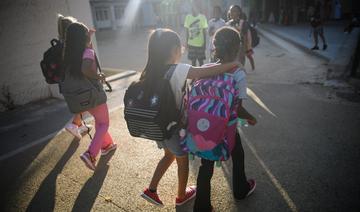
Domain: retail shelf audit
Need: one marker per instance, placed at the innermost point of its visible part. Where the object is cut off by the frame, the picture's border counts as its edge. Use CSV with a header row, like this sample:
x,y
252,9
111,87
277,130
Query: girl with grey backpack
x,y
83,91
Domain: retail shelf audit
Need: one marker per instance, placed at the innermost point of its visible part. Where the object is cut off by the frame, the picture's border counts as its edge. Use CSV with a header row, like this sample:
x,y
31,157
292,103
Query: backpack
x,y
151,115
254,34
212,118
82,94
255,39
51,64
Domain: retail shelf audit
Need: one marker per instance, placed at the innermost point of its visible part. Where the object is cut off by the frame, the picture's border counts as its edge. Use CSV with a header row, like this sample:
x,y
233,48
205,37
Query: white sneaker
x,y
84,129
74,130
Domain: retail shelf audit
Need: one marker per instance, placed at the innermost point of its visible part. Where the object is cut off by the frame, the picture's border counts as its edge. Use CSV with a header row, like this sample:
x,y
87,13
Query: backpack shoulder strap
x,y
170,72
109,89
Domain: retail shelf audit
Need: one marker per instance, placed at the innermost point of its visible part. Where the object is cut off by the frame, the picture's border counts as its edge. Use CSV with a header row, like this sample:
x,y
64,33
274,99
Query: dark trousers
x,y
240,185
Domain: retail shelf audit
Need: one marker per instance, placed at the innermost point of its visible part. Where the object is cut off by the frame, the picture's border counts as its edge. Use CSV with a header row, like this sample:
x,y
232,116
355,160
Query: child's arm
x,y
87,68
244,114
203,72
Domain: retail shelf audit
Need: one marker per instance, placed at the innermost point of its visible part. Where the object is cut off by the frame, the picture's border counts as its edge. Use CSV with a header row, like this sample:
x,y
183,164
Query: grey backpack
x,y
82,94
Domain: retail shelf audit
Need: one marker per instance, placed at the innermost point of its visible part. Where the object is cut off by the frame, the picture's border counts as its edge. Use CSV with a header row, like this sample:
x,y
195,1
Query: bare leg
x,y
77,119
201,62
193,62
183,174
315,37
161,168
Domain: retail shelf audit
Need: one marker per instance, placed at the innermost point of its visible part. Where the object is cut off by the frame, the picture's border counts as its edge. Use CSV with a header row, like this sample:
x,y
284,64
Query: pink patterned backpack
x,y
212,118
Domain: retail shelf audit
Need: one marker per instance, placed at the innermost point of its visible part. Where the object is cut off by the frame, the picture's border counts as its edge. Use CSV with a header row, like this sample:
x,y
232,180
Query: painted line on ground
x,y
29,145
258,101
273,179
46,138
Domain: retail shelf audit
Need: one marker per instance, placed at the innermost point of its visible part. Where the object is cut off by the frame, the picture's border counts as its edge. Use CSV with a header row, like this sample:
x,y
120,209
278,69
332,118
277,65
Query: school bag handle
x,y
109,89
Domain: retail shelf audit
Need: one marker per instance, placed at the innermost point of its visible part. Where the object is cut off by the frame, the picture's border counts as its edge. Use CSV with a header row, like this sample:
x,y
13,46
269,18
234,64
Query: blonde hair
x,y
63,22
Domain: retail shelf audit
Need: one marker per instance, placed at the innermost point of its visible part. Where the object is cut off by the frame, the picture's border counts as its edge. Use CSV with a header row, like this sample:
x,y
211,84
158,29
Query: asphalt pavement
x,y
303,153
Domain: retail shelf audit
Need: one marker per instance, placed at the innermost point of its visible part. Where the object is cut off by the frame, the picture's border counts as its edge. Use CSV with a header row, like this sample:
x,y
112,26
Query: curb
x,y
263,30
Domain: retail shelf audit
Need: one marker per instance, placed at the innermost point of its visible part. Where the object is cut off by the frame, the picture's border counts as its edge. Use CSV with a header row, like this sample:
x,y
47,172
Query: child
x,y
196,25
79,59
76,128
237,19
214,24
164,50
227,45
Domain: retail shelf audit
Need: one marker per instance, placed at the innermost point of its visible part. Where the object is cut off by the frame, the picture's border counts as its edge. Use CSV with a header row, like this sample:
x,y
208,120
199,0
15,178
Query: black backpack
x,y
151,115
51,64
246,26
254,34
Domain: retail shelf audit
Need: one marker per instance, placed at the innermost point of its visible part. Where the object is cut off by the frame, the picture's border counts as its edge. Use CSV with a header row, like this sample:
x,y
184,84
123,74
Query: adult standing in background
x,y
317,27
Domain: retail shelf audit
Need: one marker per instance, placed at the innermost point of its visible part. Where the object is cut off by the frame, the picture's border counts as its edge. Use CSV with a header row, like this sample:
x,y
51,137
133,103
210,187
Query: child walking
x,y
196,25
237,20
164,51
79,60
76,128
227,44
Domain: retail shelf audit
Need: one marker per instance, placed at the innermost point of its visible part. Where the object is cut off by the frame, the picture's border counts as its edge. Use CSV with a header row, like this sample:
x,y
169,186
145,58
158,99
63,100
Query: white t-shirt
x,y
177,81
215,25
240,78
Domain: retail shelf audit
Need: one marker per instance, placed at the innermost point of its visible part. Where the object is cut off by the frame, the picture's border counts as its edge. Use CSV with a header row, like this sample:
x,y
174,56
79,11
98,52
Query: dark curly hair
x,y
227,43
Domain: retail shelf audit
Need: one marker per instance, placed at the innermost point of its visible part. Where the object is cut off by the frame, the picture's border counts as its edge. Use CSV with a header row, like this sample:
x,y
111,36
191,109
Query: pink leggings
x,y
102,138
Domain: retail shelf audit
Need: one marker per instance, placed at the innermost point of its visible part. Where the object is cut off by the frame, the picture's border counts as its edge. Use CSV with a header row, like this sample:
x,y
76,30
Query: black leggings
x,y
240,184
193,62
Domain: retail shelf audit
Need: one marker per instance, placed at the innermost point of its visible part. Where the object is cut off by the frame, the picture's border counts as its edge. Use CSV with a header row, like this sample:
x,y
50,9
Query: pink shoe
x,y
152,197
189,194
88,160
108,149
252,184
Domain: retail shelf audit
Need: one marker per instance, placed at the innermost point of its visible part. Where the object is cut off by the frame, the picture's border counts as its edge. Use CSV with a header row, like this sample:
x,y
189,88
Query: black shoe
x,y
315,48
324,47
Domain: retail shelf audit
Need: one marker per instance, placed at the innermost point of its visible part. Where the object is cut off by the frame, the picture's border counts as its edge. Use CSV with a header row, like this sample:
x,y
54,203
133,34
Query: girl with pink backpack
x,y
227,45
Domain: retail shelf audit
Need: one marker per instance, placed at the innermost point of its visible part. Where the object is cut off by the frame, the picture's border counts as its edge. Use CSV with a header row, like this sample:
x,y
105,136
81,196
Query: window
x,y
101,14
119,12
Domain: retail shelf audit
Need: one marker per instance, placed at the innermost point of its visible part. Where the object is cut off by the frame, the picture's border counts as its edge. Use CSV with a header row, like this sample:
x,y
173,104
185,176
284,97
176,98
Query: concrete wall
x,y
26,27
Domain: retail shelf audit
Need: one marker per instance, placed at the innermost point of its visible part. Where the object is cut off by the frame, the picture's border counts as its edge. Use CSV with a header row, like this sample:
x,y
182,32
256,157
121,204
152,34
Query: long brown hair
x,y
161,43
76,40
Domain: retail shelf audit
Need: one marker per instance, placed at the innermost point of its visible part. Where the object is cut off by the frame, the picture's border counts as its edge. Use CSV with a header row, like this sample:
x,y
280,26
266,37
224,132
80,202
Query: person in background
x,y
237,20
317,27
214,24
196,25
